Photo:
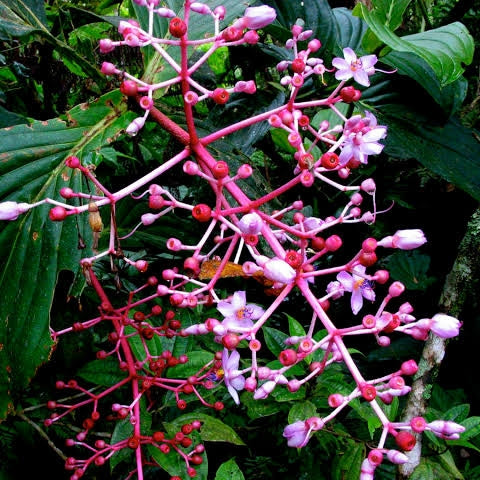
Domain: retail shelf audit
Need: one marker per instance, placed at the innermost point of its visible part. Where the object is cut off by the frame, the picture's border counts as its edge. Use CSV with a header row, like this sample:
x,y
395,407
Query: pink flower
x,y
233,379
351,66
359,145
298,433
12,210
259,17
358,286
237,313
404,239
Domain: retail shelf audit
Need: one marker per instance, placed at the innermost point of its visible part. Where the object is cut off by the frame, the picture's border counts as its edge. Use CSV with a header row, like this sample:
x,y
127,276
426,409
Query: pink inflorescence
x,y
292,254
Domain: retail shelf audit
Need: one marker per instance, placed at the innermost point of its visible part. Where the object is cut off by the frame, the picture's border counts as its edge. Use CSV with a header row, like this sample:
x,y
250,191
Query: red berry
x,y
318,243
298,65
220,170
306,161
230,341
133,443
177,27
202,212
156,202
220,96
57,214
72,161
129,88
405,440
367,259
350,94
293,258
369,392
231,34
288,357
329,160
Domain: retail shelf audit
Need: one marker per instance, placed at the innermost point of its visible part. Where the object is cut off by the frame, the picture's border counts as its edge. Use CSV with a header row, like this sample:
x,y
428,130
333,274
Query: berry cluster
x,y
285,250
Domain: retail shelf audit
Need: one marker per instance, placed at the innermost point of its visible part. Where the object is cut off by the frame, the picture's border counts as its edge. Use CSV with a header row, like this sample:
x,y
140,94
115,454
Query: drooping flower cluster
x,y
292,253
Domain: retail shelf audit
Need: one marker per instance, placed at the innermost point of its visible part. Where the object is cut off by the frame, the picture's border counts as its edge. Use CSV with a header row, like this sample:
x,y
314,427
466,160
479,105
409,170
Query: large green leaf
x,y
316,15
449,150
446,49
229,470
19,18
213,429
449,97
34,249
392,15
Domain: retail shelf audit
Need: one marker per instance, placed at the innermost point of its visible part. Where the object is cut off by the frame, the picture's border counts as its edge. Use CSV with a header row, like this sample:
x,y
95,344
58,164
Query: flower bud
x,y
445,326
259,17
11,210
251,223
279,271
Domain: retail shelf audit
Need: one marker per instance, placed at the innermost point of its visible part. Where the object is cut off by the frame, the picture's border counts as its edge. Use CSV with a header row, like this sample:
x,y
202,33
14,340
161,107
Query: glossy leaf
x,y
411,269
229,470
350,30
446,49
449,150
35,249
19,18
348,467
213,429
103,372
301,411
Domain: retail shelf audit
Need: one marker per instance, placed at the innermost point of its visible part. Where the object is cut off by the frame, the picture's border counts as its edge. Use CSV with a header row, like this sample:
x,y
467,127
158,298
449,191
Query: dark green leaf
x,y
102,372
451,151
35,249
301,411
229,470
212,430
274,339
446,49
410,268
348,467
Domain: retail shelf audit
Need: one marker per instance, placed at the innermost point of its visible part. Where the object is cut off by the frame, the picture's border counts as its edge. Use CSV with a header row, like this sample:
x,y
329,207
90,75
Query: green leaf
x,y
34,249
441,467
348,467
350,30
449,97
450,150
301,411
102,372
196,361
18,18
229,470
392,15
274,339
446,49
295,328
411,269
212,430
